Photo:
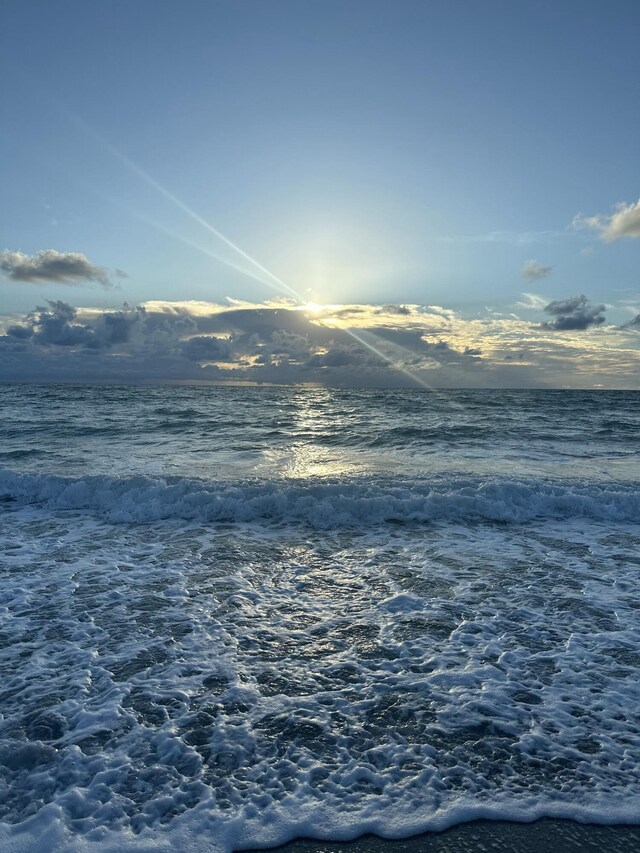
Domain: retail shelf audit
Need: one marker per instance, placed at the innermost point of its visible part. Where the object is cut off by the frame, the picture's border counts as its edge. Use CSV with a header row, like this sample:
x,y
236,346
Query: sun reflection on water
x,y
316,420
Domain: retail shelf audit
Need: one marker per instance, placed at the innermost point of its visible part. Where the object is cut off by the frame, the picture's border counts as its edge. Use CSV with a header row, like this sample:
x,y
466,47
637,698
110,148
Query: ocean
x,y
235,616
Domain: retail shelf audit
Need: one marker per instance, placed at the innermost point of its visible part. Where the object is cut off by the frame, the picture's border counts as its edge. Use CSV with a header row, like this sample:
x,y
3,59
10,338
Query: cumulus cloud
x,y
623,222
275,343
534,270
58,324
206,348
55,325
19,332
52,266
573,314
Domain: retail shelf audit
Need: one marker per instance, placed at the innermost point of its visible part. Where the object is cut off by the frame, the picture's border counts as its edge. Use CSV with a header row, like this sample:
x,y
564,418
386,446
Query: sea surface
x,y
231,617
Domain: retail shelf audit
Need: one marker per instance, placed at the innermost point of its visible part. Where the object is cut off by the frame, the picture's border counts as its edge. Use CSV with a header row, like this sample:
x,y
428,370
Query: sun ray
x,y
272,279
256,270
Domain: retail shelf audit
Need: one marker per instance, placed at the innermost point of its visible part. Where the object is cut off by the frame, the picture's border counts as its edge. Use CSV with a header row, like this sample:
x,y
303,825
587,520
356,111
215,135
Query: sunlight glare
x,y
255,269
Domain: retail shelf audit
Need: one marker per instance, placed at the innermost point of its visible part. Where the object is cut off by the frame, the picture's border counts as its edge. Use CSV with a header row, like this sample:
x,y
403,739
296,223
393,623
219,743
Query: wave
x,y
326,503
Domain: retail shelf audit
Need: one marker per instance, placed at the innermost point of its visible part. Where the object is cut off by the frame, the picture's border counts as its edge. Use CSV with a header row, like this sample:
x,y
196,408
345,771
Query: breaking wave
x,y
326,503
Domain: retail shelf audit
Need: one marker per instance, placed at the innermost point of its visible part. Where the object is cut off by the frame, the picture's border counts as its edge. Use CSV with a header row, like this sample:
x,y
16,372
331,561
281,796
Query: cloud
x,y
633,324
532,301
279,342
624,222
206,348
332,358
276,343
574,314
534,270
20,332
57,324
52,266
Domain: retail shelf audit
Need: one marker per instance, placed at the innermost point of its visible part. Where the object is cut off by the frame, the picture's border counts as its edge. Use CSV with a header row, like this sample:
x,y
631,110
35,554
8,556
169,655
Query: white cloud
x,y
624,222
533,301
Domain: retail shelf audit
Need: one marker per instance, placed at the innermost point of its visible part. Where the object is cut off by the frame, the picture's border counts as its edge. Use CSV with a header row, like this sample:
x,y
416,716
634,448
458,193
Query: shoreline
x,y
555,835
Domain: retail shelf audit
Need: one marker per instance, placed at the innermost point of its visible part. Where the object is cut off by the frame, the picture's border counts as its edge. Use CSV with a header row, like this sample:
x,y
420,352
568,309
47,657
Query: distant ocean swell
x,y
326,503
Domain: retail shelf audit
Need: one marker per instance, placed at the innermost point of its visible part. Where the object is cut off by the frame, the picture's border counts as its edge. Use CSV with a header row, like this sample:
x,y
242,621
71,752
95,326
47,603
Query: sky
x,y
437,194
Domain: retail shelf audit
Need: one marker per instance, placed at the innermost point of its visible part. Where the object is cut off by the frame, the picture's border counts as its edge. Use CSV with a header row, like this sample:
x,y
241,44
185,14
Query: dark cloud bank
x,y
384,346
57,342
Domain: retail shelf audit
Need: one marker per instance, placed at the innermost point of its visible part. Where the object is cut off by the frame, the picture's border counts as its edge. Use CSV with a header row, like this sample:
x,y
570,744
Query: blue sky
x,y
363,152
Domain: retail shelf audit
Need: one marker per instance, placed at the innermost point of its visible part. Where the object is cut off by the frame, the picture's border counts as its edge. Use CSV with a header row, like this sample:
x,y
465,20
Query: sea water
x,y
234,616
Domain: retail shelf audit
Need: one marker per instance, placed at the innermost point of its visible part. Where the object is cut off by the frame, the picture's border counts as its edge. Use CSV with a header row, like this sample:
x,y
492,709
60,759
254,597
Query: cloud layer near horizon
x,y
339,345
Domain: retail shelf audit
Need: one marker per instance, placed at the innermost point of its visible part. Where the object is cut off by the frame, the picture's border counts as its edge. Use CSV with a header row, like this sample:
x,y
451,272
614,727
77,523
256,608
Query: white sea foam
x,y
218,663
211,687
327,503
